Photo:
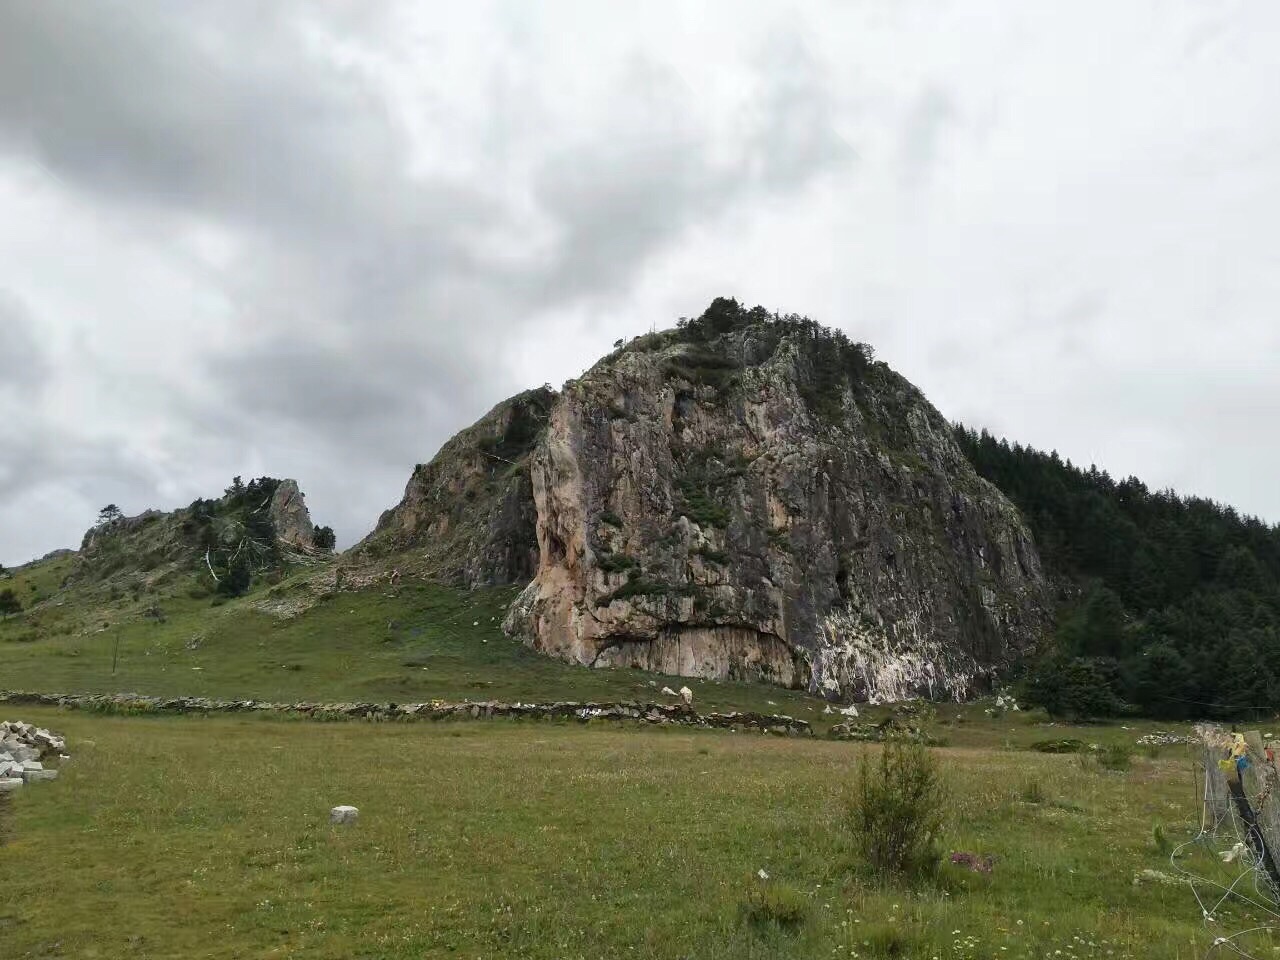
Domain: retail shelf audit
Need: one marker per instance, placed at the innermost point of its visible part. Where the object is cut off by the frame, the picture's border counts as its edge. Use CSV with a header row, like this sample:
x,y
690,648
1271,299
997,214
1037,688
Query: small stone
x,y
32,775
9,784
343,814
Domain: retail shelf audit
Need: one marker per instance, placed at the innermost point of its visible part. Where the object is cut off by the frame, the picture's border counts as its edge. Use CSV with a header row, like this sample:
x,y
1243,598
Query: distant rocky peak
x,y
290,516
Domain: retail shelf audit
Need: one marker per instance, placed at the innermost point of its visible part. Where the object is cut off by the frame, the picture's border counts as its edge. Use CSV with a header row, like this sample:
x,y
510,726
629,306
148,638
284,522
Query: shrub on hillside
x,y
775,904
896,813
9,602
1078,688
1115,756
1058,746
236,582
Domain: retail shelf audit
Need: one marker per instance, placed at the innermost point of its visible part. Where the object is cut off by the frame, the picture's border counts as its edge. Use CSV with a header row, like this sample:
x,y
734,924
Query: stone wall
x,y
635,711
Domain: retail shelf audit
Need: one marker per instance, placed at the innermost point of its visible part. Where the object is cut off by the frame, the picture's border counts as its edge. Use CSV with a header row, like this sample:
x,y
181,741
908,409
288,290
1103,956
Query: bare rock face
x,y
290,517
468,516
752,497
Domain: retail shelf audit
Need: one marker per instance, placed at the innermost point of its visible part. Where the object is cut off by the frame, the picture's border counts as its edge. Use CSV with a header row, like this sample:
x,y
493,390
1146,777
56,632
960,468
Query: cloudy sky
x,y
315,239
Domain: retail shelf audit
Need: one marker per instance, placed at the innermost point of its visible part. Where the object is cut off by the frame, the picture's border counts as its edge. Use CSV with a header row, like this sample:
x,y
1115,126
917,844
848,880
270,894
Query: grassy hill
x,y
410,643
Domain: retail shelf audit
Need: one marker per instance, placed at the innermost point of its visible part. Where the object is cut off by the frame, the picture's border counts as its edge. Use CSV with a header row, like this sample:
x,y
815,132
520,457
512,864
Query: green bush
x,y
1058,746
1115,756
616,562
1078,688
611,518
711,554
896,813
772,904
1031,792
1160,840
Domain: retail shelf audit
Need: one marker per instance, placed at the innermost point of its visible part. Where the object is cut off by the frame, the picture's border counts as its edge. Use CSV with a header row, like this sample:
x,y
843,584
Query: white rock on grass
x,y
686,695
20,751
343,814
22,747
9,783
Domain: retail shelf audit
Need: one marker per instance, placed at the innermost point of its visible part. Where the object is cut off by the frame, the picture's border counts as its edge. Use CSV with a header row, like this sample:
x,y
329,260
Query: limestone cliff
x,y
747,496
751,496
467,517
290,517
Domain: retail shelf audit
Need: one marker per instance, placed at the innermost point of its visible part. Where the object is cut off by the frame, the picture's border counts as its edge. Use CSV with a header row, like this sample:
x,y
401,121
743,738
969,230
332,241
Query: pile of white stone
x,y
23,750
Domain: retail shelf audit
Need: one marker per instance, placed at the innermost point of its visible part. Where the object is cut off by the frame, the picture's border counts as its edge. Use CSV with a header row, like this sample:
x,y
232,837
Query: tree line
x,y
1169,605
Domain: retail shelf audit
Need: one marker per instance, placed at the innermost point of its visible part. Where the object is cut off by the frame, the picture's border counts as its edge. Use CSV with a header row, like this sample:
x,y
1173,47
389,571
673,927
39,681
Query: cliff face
x,y
291,518
468,516
752,497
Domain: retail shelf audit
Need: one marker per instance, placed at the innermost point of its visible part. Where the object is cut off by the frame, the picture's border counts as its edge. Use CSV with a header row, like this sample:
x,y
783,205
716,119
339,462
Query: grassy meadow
x,y
415,643
208,837
178,837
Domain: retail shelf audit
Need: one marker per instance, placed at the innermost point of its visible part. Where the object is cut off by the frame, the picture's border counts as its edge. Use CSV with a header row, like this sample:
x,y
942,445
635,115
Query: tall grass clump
x,y
772,904
895,816
1115,756
1031,792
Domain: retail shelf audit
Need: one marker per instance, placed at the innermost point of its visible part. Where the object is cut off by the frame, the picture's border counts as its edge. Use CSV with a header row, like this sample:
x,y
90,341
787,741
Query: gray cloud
x,y
363,294
925,125
316,239
23,364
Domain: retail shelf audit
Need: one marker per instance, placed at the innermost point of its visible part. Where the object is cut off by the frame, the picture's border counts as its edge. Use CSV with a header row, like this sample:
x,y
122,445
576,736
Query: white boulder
x,y
343,814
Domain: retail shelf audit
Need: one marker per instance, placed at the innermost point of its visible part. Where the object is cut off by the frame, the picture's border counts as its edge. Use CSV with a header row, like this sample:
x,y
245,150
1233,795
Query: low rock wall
x,y
636,711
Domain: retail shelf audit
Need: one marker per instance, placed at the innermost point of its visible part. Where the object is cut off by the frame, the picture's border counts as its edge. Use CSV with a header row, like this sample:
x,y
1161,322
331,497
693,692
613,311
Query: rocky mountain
x,y
467,517
746,496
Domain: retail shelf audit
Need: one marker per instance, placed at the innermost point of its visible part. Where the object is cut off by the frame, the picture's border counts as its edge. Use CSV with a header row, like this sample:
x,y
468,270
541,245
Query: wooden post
x,y
1250,792
1217,799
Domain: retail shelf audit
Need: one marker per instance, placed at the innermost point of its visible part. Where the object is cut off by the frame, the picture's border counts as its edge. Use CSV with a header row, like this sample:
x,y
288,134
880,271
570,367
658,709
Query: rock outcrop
x,y
752,497
263,524
467,517
290,517
745,497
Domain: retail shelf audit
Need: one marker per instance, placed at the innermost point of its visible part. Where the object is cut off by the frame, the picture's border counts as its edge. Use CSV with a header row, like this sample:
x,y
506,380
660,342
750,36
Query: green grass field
x,y
208,837
416,643
171,836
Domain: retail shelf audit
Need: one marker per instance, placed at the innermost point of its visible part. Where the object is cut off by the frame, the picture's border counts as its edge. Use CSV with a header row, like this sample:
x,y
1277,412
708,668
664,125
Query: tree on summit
x,y
109,514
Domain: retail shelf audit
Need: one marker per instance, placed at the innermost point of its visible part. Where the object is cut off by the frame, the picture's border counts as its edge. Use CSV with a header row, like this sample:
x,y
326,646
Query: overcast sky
x,y
316,239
